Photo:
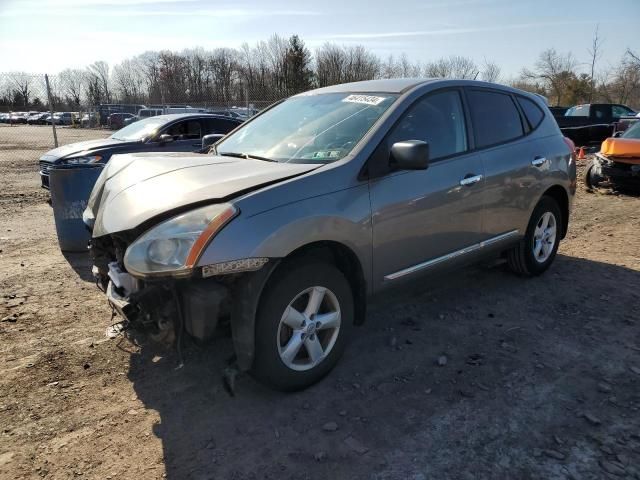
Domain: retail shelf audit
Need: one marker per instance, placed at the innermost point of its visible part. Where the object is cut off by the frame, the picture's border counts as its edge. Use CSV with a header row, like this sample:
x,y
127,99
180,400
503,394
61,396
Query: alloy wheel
x,y
309,328
544,237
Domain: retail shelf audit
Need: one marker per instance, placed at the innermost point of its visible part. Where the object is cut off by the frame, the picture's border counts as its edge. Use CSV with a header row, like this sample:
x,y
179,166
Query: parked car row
x,y
40,118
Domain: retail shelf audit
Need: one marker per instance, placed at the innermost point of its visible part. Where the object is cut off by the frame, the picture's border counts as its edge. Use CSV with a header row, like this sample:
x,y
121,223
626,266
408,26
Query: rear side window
x,y
533,113
219,125
620,111
495,117
437,119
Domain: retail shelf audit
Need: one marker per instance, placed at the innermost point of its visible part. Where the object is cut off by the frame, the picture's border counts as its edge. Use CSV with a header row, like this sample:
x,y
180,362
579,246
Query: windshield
x,y
633,131
309,129
139,130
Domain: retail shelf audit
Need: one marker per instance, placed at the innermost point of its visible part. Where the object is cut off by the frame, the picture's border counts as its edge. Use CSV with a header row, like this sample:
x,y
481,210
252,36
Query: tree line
x,y
280,67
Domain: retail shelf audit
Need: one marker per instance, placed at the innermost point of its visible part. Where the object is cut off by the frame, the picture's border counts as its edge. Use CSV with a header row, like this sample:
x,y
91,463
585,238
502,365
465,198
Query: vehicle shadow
x,y
81,264
455,374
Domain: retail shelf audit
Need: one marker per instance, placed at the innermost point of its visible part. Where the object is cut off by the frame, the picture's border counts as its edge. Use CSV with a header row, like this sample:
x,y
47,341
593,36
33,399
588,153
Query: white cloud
x,y
446,31
121,8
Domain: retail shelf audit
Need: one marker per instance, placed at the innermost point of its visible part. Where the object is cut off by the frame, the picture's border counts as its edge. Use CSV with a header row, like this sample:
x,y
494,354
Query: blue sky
x,y
50,35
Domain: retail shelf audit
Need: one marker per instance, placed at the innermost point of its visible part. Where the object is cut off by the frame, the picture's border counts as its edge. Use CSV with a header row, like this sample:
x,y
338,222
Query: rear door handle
x,y
538,161
470,180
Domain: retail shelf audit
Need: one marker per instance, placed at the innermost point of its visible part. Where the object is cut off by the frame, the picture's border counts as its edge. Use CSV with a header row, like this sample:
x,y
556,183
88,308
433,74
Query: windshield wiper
x,y
245,156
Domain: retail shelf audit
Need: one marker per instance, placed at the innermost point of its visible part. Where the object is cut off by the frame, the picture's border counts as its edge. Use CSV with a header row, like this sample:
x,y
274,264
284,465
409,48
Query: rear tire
x,y
303,323
537,250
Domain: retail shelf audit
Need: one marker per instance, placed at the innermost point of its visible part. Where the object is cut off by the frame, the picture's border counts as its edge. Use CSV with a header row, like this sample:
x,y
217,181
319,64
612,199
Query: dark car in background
x,y
592,122
118,120
163,133
558,111
60,118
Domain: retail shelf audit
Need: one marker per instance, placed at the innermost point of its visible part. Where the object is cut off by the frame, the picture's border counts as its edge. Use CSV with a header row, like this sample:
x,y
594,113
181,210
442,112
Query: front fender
x,y
343,217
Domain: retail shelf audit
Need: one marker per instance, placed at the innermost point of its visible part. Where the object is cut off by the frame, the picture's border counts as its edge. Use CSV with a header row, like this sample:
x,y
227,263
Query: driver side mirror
x,y
618,134
210,139
165,138
410,155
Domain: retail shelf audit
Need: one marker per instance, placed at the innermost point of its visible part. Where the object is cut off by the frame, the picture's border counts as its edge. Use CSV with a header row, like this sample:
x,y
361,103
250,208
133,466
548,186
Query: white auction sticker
x,y
366,99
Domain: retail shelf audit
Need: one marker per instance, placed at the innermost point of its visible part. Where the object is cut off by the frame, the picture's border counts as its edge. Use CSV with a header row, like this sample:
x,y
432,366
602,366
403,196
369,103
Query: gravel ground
x,y
476,374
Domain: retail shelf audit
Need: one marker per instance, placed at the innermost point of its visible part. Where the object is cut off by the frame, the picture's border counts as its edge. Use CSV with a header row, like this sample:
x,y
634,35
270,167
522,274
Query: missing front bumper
x,y
156,307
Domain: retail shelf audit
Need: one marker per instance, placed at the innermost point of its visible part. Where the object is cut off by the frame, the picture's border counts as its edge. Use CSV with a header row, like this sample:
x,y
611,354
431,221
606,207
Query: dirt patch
x,y
479,374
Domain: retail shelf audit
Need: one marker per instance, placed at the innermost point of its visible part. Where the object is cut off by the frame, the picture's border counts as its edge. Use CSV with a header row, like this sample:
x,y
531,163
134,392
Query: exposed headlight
x,y
174,246
86,159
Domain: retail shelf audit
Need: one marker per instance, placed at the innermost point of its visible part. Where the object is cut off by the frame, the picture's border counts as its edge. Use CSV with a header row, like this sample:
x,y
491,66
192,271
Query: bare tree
x,y
490,72
361,64
624,85
21,83
128,81
330,64
454,66
555,71
594,52
223,65
390,68
72,83
100,71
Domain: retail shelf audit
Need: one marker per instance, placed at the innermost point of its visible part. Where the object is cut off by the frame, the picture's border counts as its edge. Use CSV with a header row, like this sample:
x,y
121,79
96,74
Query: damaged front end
x,y
613,172
160,307
194,300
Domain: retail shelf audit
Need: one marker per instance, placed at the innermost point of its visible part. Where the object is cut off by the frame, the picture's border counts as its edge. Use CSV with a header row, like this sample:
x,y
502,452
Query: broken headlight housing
x,y
173,247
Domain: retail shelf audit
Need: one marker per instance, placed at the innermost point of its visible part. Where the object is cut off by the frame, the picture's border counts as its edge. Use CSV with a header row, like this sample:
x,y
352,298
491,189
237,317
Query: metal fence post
x,y
53,122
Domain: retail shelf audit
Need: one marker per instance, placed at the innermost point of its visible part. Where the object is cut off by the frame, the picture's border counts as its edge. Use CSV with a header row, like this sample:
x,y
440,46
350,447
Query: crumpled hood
x,y
73,148
136,187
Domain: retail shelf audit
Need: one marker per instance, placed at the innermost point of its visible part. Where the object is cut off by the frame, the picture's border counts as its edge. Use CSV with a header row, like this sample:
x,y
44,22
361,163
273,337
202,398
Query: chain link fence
x,y
40,112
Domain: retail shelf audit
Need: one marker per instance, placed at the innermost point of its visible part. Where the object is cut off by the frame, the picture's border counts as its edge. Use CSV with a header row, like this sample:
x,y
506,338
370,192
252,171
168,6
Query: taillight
x,y
572,147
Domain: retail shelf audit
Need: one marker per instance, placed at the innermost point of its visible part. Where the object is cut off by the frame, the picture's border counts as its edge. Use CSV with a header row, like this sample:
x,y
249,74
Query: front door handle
x,y
470,180
538,161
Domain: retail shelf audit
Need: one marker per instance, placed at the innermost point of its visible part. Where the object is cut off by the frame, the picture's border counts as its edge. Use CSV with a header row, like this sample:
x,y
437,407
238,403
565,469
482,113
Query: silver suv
x,y
296,217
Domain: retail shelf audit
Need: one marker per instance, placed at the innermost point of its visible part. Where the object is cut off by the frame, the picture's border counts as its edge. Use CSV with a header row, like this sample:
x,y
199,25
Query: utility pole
x,y
53,123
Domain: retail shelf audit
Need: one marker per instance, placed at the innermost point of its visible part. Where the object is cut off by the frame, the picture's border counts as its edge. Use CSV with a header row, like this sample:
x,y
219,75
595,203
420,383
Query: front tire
x,y
591,179
303,323
537,250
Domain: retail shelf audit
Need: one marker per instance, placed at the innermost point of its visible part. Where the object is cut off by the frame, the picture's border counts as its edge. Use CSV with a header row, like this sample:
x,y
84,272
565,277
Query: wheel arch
x,y
250,288
561,197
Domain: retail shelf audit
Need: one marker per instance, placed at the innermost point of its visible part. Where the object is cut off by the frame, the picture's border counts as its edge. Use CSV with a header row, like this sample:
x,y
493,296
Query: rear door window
x,y
601,112
533,113
495,117
437,119
187,130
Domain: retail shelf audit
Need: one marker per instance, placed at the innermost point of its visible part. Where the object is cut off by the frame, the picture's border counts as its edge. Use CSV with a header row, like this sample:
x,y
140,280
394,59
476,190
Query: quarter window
x,y
437,119
533,113
220,126
495,117
620,111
